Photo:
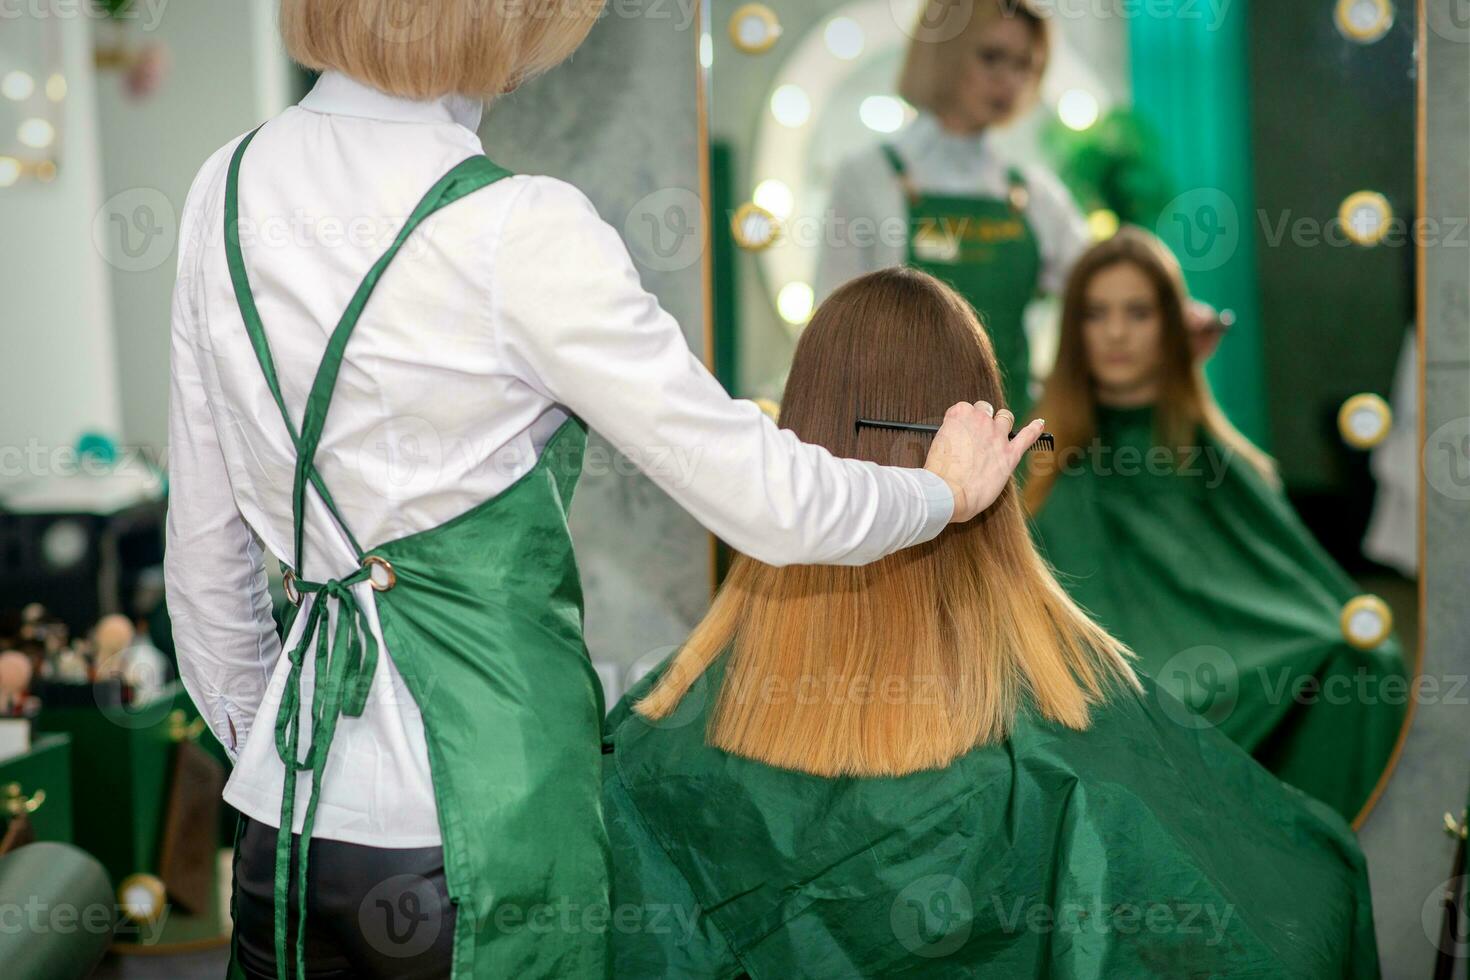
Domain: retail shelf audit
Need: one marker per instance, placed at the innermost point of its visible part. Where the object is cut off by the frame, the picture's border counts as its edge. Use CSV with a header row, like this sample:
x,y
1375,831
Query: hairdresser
x,y
434,725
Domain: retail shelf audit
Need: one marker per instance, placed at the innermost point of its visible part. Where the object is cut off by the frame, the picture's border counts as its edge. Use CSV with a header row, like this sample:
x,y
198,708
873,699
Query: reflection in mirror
x,y
32,87
1184,262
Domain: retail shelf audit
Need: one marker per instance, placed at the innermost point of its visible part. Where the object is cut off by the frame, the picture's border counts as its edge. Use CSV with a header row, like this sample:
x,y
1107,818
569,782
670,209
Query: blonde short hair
x,y
423,49
946,32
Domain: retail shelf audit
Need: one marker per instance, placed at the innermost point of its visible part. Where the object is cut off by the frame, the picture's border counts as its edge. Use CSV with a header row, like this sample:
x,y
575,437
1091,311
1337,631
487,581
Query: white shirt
x,y
866,190
503,312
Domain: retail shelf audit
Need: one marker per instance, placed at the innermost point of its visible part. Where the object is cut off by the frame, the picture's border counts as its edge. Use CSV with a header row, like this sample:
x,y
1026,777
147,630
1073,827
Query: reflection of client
x,y
937,766
1169,527
940,198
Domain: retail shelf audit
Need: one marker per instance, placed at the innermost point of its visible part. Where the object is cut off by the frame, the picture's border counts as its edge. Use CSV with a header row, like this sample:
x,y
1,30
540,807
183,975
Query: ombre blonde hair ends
x,y
906,663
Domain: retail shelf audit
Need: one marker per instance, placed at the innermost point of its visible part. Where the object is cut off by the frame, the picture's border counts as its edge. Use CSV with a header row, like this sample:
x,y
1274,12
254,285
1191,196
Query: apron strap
x,y
245,300
1018,195
345,658
467,176
900,170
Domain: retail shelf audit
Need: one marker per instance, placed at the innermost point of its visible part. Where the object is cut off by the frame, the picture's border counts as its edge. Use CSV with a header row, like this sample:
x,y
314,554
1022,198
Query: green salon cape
x,y
1142,848
1209,575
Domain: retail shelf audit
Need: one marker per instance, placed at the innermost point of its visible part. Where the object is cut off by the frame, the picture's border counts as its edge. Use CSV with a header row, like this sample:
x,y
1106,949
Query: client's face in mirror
x,y
995,77
1122,333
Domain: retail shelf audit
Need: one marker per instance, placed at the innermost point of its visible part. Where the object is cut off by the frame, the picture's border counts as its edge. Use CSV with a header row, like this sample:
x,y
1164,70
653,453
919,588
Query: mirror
x,y
32,88
1264,568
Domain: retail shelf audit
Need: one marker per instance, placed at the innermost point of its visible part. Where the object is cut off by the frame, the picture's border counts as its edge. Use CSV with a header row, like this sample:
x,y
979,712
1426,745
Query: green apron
x,y
1229,602
483,615
987,250
1141,848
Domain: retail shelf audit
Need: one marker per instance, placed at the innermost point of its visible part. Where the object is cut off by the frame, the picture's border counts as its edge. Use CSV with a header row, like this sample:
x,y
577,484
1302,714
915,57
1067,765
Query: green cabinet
x,y
121,758
122,765
40,781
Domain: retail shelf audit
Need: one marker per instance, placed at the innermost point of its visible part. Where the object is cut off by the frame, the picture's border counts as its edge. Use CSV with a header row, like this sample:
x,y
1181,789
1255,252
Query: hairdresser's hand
x,y
974,453
1206,327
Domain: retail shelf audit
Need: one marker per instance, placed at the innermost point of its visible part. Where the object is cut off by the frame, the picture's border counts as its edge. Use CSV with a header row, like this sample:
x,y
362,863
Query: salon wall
x,y
227,73
56,331
620,122
1409,856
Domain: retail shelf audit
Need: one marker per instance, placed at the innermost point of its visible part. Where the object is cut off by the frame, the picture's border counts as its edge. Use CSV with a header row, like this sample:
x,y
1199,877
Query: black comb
x,y
1044,443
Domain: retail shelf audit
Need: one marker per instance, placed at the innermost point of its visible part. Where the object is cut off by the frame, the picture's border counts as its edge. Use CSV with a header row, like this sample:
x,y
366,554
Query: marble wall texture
x,y
1409,855
620,121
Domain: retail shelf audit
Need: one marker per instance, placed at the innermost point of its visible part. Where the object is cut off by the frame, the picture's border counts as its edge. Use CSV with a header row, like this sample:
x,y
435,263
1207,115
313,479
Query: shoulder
x,y
550,197
869,165
1047,190
550,234
553,212
205,197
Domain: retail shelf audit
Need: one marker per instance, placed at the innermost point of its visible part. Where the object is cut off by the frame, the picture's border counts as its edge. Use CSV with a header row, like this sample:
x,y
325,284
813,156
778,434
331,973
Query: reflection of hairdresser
x,y
942,199
1392,538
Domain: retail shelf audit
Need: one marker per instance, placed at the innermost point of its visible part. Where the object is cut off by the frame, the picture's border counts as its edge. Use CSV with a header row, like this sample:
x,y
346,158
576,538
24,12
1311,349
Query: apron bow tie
x,y
345,661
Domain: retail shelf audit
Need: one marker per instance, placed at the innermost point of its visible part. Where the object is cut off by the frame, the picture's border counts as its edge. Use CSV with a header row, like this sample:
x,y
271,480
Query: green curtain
x,y
1191,84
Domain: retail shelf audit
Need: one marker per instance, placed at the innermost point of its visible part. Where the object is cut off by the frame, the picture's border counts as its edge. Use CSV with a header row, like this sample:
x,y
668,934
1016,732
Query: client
x,y
937,765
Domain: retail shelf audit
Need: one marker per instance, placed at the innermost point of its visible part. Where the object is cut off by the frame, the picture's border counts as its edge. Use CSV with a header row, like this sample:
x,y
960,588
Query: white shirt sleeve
x,y
572,319
1061,229
214,565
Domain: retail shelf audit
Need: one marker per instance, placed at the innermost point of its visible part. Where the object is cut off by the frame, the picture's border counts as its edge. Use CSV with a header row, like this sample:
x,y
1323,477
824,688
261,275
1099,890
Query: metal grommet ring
x,y
288,582
390,578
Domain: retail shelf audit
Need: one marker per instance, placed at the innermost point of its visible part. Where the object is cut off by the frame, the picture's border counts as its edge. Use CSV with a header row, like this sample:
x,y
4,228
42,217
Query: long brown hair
x,y
908,662
1185,403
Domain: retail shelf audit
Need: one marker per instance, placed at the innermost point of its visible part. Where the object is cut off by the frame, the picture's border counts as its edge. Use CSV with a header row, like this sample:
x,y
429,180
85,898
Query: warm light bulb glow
x,y
794,302
791,106
882,113
1103,224
844,38
17,86
775,197
1078,109
36,133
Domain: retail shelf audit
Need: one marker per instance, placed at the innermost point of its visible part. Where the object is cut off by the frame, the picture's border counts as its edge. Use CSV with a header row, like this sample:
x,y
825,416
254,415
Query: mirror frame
x,y
704,20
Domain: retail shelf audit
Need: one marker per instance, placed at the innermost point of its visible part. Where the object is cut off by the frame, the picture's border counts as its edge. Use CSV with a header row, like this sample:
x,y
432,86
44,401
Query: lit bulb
x,y
790,105
17,86
36,133
775,197
844,38
1103,224
794,302
1078,109
882,113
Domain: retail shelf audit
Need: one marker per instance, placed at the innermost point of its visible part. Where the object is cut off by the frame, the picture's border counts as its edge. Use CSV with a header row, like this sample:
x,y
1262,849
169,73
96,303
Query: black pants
x,y
370,911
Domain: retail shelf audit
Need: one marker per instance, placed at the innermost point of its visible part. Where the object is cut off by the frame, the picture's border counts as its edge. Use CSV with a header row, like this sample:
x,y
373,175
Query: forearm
x,y
572,319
